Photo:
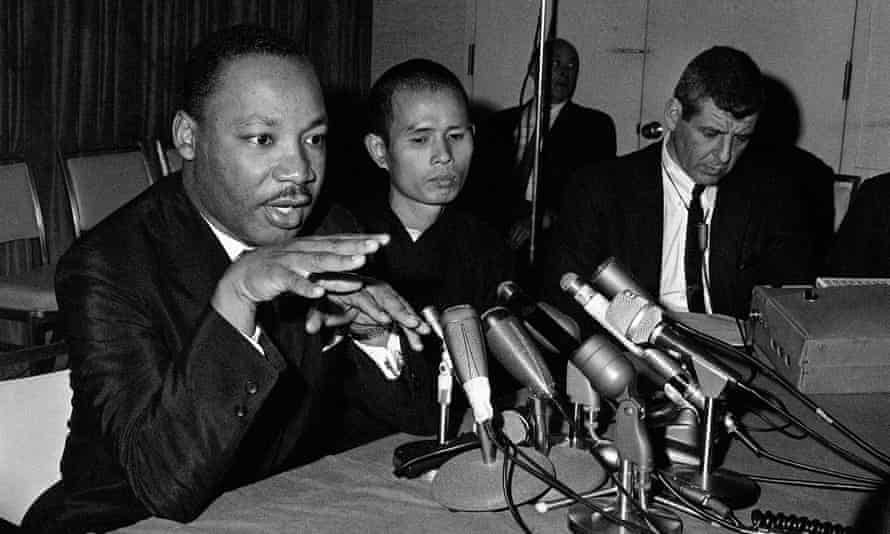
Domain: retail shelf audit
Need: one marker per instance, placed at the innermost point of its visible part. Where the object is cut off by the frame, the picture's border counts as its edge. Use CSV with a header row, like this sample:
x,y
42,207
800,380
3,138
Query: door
x,y
801,44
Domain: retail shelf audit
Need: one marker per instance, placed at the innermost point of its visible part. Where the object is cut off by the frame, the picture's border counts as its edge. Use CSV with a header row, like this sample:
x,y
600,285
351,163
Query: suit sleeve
x,y
172,418
862,243
791,257
406,404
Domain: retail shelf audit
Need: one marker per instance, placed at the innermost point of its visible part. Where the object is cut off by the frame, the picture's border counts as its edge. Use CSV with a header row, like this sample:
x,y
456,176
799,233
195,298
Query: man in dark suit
x,y
499,188
748,226
195,313
862,244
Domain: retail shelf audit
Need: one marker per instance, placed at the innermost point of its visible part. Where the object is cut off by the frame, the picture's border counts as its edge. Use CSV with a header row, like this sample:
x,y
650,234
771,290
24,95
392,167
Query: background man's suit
x,y
579,136
862,244
758,232
172,405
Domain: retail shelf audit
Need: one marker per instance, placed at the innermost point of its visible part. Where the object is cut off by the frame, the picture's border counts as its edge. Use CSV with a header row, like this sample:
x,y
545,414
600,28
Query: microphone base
x,y
735,490
577,468
582,521
412,459
465,483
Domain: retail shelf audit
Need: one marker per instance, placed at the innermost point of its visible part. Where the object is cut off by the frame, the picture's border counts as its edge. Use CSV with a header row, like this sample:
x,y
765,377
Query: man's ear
x,y
673,113
184,130
376,147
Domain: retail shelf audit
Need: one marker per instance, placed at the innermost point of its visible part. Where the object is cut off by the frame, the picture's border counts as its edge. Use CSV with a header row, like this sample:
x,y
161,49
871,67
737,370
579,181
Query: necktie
x,y
695,227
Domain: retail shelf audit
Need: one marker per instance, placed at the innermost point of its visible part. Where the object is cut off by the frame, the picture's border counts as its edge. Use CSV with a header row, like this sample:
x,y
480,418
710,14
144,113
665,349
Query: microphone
x,y
607,370
513,346
611,278
555,331
468,482
642,321
679,385
463,337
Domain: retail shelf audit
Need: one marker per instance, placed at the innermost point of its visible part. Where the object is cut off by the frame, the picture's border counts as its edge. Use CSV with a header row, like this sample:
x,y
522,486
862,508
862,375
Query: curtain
x,y
80,75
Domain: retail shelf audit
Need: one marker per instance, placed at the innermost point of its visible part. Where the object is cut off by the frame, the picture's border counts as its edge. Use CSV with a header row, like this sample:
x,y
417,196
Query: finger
x,y
340,244
413,339
363,302
306,263
337,282
334,320
314,320
397,307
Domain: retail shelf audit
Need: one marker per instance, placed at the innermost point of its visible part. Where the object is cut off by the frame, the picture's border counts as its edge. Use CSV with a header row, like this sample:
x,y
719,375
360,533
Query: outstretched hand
x,y
308,266
375,304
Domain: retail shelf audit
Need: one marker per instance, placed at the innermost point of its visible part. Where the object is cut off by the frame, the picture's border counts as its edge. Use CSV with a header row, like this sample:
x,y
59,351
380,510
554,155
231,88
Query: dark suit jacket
x,y
580,136
862,244
759,234
172,405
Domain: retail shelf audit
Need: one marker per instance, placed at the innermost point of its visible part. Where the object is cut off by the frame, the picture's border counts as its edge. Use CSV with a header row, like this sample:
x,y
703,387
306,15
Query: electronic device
x,y
826,340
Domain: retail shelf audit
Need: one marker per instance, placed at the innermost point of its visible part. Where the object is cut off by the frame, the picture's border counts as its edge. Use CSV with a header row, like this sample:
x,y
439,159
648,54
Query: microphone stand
x,y
635,452
705,482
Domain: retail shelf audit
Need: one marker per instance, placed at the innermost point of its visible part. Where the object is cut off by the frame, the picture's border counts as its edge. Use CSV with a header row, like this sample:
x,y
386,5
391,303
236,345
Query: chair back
x,y
169,159
845,187
102,181
33,428
20,214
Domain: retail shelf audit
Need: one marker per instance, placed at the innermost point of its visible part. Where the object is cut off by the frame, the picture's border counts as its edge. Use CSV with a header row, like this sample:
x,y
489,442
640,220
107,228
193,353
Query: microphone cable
x,y
703,514
719,346
838,486
514,454
816,435
763,453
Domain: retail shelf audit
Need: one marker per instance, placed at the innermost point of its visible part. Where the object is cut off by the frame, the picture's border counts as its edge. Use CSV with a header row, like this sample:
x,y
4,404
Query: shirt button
x,y
250,387
240,411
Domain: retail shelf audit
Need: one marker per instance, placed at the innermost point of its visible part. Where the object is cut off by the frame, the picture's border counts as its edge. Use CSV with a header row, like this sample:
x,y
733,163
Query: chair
x,y
28,297
169,159
845,187
101,181
33,427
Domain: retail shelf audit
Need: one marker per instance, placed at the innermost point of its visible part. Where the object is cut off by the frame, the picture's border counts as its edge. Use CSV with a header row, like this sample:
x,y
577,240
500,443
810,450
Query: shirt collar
x,y
232,246
675,172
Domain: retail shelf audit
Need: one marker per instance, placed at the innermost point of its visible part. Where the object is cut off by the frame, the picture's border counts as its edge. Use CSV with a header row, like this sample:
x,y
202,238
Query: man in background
x,y
694,220
500,189
862,245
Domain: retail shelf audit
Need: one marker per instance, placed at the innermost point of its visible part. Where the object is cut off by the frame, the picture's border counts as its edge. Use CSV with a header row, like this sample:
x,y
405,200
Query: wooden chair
x,y
169,159
34,426
28,297
101,181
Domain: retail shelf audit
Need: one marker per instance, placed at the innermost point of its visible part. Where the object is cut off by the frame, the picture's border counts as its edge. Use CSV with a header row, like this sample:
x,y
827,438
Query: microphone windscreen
x,y
465,344
609,372
611,278
514,347
463,337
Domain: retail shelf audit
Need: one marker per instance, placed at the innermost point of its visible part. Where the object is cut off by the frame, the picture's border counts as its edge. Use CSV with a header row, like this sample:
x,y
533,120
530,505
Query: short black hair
x,y
209,57
412,75
728,76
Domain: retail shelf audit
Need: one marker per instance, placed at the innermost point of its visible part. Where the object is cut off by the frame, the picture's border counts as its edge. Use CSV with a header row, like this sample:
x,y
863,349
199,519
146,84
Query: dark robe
x,y
457,260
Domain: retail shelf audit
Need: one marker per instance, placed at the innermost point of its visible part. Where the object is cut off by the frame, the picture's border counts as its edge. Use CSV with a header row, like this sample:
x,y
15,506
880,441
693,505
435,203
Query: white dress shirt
x,y
677,195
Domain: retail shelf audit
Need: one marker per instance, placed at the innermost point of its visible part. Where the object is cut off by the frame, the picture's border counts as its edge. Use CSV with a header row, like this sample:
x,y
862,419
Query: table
x,y
356,490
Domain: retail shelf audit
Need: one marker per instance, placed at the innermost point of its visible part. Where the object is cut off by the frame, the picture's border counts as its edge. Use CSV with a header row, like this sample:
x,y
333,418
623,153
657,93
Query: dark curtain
x,y
79,75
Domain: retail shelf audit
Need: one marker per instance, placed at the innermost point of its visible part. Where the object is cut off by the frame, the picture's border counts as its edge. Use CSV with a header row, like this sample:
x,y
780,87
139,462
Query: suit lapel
x,y
645,219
